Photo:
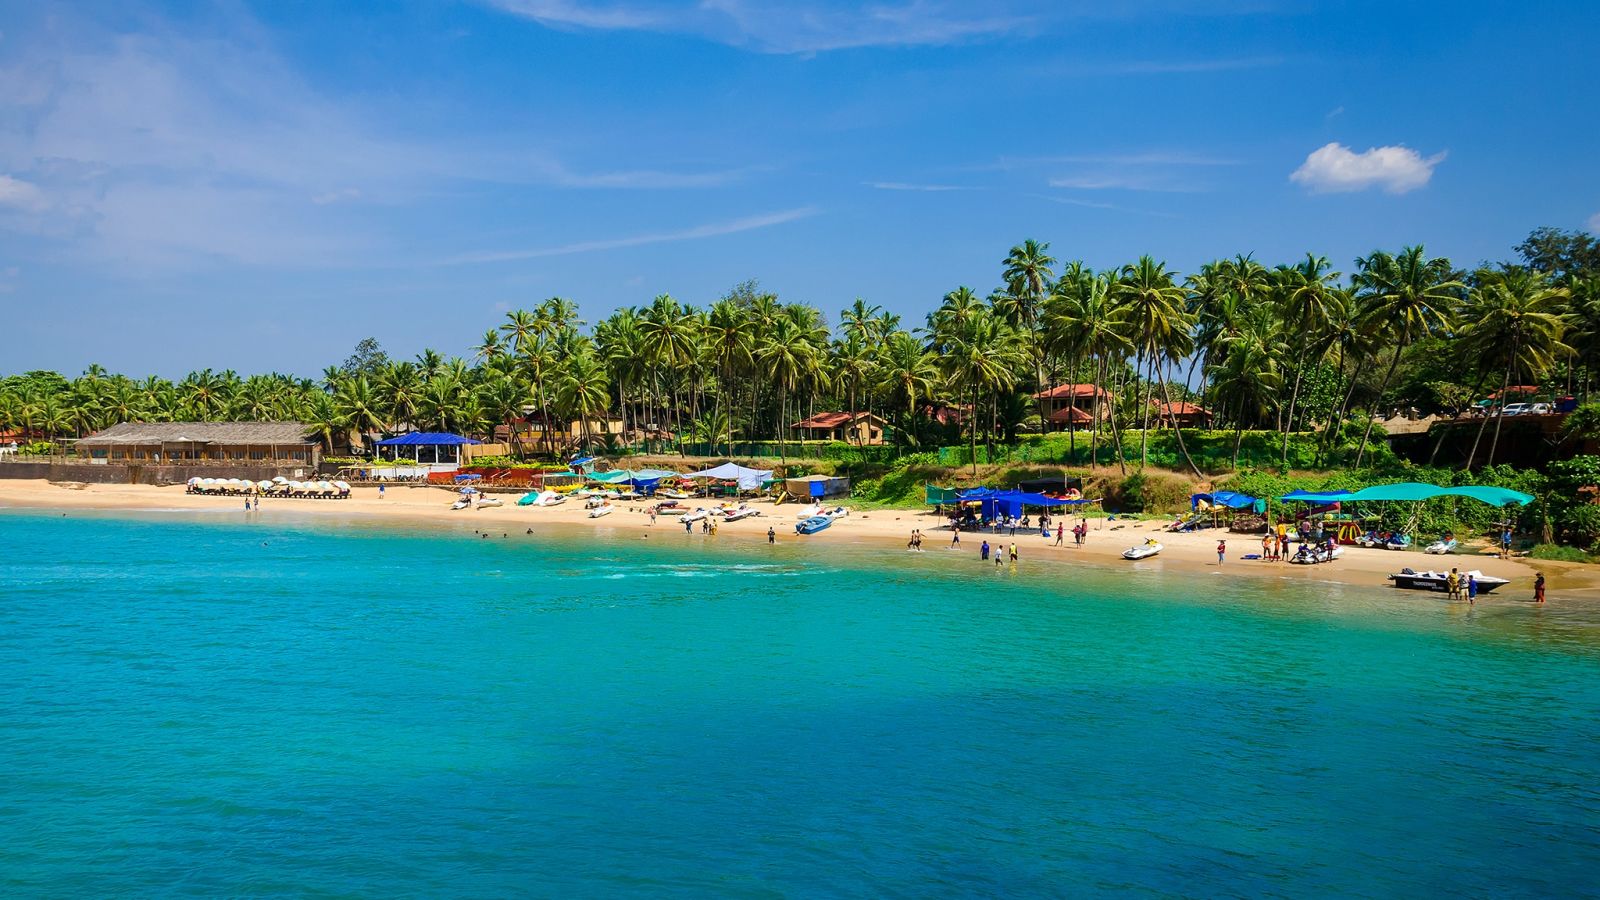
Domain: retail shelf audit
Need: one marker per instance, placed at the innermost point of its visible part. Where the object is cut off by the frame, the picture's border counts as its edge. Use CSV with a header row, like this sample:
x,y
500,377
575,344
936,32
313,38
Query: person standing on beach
x,y
1505,544
1267,545
688,527
380,490
1061,533
1538,588
1222,551
955,536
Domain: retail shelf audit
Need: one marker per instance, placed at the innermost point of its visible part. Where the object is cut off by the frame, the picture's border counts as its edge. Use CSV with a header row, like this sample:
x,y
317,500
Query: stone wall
x,y
134,473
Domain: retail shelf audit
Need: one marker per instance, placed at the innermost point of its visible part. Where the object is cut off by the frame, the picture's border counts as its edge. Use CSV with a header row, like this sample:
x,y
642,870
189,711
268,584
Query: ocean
x,y
200,705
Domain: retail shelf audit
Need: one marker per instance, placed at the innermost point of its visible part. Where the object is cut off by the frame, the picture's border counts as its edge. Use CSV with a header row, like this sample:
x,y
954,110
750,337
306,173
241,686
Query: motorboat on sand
x,y
1435,581
1143,551
813,525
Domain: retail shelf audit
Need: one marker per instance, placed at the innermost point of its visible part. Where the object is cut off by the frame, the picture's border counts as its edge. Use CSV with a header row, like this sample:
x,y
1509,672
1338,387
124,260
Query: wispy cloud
x,y
1123,182
1187,66
104,137
906,186
1335,168
782,26
716,229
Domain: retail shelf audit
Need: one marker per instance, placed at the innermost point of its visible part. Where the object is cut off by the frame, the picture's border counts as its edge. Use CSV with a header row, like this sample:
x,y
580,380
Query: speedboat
x,y
812,525
602,510
1435,581
809,510
1310,555
490,501
1441,546
1143,551
838,512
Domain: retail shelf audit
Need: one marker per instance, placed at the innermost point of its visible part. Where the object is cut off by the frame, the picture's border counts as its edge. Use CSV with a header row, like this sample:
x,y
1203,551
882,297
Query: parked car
x,y
1539,409
1514,409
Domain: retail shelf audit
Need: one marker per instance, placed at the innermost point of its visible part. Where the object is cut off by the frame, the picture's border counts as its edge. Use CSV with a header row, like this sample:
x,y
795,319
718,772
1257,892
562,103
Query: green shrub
x,y
1559,553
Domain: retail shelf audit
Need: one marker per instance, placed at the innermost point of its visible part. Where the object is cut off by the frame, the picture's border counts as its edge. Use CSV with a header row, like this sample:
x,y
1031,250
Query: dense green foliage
x,y
1295,364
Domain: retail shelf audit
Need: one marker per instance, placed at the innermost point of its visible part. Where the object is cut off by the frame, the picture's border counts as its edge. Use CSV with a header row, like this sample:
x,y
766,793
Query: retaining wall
x,y
112,473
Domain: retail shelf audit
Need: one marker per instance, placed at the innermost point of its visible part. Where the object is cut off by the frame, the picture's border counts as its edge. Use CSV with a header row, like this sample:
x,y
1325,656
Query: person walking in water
x,y
1222,551
1452,586
772,536
983,552
955,536
1538,588
1013,552
1472,588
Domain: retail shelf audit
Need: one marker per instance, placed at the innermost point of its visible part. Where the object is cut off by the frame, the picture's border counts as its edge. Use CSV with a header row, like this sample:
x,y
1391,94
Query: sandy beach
x,y
890,528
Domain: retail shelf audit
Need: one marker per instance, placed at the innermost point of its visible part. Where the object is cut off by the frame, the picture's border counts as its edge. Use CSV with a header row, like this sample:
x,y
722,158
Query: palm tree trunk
x,y
972,433
1294,400
1116,434
1510,365
1166,398
1373,417
1144,428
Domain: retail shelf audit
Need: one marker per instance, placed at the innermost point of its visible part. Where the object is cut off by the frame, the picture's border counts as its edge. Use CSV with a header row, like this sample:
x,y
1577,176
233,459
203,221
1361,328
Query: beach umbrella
x,y
194,480
342,485
325,486
279,479
264,485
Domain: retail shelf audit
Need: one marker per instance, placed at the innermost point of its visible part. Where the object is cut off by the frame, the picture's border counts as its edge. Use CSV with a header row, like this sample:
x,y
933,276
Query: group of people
x,y
999,553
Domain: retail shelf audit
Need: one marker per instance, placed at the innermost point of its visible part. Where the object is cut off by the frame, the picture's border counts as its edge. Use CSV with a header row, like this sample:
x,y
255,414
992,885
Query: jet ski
x,y
1143,551
1441,546
602,510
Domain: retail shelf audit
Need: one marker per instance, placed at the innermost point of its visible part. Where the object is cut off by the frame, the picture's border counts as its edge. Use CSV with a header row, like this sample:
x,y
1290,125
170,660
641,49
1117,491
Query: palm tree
x,y
1153,307
908,374
1081,321
1307,303
859,320
787,354
357,406
582,391
1248,379
1412,296
728,342
1515,318
981,358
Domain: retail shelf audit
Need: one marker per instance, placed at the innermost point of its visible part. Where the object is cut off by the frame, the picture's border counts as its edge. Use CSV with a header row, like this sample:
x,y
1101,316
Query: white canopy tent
x,y
748,479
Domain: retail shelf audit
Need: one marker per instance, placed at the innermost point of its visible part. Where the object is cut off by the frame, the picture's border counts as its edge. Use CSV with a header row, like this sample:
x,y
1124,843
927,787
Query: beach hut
x,y
440,451
817,487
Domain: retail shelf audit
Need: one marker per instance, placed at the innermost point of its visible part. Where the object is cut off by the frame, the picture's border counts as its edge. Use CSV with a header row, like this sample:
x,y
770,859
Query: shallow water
x,y
189,706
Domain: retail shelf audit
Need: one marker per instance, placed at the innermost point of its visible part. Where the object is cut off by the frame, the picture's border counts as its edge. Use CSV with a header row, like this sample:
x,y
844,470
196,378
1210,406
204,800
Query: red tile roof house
x,y
1071,404
850,427
1187,415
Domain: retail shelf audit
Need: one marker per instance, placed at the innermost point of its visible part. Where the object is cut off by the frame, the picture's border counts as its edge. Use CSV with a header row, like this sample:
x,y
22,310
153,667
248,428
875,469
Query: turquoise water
x,y
210,707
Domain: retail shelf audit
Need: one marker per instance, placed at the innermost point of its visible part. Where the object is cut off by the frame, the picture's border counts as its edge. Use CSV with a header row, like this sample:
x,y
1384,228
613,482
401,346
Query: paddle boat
x,y
602,510
1143,551
1442,546
1436,581
812,525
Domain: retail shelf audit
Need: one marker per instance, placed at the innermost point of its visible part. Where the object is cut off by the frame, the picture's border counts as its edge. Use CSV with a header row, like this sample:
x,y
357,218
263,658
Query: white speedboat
x,y
838,512
598,511
743,512
808,511
1143,551
1436,581
485,502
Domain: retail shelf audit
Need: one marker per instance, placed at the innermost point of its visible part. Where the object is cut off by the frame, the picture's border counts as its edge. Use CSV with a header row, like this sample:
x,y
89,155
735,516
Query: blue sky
x,y
259,185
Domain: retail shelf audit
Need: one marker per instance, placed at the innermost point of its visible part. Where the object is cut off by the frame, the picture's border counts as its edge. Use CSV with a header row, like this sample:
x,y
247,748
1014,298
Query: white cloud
x,y
716,229
18,194
781,26
1335,168
906,186
1594,223
1160,182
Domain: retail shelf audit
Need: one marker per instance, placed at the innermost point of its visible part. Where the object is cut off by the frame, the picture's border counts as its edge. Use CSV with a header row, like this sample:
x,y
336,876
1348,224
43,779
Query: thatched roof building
x,y
208,441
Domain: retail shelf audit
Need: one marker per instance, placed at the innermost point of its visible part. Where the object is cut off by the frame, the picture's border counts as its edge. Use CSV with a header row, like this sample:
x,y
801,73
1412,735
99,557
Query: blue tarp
x,y
427,439
1316,496
1229,499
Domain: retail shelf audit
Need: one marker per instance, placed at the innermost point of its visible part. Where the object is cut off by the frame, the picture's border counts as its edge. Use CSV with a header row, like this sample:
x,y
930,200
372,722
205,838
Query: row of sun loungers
x,y
277,487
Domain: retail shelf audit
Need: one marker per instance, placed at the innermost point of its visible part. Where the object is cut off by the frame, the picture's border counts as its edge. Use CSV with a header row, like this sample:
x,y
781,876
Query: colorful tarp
x,y
1412,491
426,439
1228,499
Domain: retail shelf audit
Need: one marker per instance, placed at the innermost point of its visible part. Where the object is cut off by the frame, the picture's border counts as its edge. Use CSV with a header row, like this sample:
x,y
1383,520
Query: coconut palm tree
x,y
582,391
359,408
1412,296
1515,318
1307,303
1154,309
981,359
1083,321
908,374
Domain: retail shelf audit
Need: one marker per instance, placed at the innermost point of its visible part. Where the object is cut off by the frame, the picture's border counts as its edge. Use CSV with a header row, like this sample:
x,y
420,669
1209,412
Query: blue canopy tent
x,y
435,442
1228,500
1010,502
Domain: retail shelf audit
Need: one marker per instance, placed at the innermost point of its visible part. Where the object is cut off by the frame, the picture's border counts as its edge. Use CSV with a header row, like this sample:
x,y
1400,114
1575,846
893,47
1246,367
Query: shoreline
x,y
1193,553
